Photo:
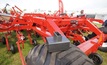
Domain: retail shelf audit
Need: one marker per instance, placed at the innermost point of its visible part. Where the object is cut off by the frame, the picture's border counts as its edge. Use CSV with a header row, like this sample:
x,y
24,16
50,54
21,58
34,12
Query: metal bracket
x,y
57,43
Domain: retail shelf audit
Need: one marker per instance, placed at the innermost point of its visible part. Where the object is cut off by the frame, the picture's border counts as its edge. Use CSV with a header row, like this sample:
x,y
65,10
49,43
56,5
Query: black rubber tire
x,y
105,23
3,40
91,35
37,35
34,42
97,59
76,43
104,30
73,56
86,38
12,48
103,49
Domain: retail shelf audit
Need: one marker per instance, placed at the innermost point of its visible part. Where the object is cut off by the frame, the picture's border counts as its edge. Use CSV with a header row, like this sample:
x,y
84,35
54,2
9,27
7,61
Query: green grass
x,y
104,56
7,58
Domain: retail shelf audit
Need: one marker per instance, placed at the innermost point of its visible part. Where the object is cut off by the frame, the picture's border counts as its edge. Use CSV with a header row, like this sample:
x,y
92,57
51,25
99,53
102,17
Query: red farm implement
x,y
55,31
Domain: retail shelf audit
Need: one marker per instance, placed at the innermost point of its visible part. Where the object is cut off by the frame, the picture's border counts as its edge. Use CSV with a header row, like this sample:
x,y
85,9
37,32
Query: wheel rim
x,y
12,48
34,42
96,59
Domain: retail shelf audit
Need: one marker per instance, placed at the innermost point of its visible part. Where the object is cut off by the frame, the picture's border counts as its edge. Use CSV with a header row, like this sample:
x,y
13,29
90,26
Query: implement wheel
x,y
76,43
3,40
37,35
103,48
39,55
12,48
34,42
89,36
97,59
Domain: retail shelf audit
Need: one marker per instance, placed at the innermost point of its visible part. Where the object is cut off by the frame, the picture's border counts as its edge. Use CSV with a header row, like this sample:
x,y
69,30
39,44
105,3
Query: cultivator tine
x,y
7,43
20,53
19,9
29,36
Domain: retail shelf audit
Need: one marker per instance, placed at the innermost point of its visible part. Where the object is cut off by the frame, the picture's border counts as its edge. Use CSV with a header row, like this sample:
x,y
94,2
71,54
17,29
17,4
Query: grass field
x,y
7,58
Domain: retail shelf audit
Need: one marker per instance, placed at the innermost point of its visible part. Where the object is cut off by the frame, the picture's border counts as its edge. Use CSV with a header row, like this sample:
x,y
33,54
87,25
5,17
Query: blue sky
x,y
53,4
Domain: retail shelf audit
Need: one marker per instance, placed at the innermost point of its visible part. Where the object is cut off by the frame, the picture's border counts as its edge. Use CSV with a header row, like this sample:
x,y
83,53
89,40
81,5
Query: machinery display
x,y
67,40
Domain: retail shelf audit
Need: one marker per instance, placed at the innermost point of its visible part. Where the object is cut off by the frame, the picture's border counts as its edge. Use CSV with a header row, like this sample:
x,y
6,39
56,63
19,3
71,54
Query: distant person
x,y
81,14
72,14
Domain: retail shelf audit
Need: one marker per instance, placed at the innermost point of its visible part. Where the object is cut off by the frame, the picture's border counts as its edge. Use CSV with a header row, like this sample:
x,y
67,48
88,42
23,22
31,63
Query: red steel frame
x,y
46,25
61,8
